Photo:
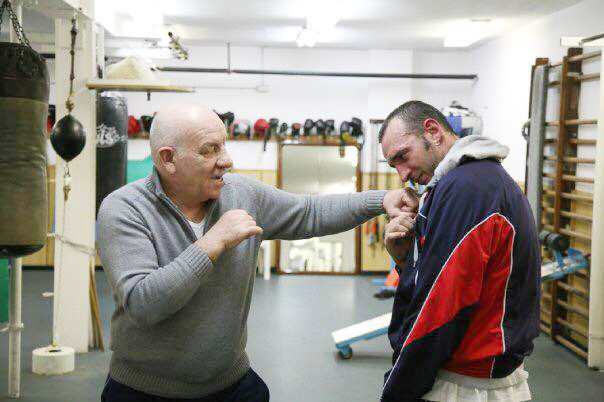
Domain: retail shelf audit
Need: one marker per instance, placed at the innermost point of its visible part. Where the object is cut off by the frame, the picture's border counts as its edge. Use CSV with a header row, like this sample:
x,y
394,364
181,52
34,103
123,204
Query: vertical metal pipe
x,y
15,327
595,356
15,324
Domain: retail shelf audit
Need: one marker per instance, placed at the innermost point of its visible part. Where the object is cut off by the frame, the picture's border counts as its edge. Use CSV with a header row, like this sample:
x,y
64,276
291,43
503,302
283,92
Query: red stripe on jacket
x,y
476,272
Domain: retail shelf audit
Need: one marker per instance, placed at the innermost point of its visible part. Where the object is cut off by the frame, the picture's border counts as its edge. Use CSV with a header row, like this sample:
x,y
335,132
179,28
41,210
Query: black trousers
x,y
249,388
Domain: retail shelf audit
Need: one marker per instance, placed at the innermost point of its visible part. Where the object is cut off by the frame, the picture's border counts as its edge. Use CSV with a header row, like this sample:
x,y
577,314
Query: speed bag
x,y
24,88
111,144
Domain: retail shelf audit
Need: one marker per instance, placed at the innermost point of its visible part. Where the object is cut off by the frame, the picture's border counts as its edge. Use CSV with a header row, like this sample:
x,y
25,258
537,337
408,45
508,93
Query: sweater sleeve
x,y
145,291
288,216
450,277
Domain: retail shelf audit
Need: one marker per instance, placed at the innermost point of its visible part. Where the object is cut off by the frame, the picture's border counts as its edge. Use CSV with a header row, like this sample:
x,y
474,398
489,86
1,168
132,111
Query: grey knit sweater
x,y
179,328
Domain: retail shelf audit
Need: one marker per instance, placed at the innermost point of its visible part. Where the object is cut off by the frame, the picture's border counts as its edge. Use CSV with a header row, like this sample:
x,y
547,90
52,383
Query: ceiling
x,y
363,24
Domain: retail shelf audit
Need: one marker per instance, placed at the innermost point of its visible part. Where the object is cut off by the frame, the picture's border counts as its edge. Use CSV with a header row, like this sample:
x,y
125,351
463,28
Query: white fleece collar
x,y
470,147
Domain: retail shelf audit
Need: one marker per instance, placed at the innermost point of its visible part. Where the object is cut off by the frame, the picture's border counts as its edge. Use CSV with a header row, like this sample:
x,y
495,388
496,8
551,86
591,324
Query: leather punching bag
x,y
24,90
111,144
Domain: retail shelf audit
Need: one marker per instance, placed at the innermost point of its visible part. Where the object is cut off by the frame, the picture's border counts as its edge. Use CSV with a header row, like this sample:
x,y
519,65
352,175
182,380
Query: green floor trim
x,y
3,290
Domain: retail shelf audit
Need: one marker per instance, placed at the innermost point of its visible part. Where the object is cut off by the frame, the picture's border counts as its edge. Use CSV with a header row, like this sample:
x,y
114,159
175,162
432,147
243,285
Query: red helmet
x,y
260,127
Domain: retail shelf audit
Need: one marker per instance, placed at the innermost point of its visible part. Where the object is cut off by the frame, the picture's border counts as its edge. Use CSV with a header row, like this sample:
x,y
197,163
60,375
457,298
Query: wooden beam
x,y
568,177
571,122
569,196
571,346
585,56
575,328
574,141
571,159
587,77
574,289
575,309
577,235
569,214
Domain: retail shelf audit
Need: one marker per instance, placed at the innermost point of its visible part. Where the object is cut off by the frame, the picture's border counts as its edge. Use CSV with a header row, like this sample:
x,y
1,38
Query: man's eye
x,y
210,149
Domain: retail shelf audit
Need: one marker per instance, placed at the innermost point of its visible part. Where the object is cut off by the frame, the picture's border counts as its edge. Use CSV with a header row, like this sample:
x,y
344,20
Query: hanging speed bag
x,y
24,90
111,144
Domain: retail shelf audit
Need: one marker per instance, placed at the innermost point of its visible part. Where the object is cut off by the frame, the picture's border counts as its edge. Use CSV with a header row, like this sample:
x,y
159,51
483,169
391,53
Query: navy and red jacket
x,y
470,303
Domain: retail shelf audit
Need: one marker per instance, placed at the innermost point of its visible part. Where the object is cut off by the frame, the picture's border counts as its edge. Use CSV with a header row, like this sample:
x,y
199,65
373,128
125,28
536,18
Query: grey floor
x,y
289,345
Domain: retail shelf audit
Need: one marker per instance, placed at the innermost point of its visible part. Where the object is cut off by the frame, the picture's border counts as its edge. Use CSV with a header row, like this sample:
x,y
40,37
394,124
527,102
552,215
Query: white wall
x,y
501,95
296,98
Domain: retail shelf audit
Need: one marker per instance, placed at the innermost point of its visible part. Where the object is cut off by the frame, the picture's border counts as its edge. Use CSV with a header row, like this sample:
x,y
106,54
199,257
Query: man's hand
x,y
231,229
398,201
398,235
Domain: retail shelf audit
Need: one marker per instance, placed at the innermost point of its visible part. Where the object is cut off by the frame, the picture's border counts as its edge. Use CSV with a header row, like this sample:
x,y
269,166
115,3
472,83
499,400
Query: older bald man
x,y
179,249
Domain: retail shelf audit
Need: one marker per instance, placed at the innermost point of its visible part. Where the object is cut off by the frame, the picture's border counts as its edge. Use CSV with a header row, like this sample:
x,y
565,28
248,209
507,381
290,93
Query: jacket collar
x,y
154,185
472,147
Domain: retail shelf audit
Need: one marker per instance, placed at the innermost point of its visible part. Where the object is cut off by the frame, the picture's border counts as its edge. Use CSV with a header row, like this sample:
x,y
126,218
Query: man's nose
x,y
225,161
403,172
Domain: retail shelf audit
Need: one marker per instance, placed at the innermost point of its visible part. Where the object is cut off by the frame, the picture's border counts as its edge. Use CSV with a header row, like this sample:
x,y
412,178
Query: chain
x,y
16,26
74,33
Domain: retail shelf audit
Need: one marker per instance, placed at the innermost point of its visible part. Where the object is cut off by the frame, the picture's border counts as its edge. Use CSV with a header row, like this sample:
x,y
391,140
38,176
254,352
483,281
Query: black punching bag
x,y
24,90
111,144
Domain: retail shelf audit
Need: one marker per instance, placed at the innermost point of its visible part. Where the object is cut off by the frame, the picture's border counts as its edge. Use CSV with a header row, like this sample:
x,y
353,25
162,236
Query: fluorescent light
x,y
322,16
307,38
469,33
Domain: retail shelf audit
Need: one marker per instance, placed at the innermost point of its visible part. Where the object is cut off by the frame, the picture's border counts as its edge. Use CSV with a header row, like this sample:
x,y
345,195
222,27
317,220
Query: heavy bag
x,y
24,90
111,144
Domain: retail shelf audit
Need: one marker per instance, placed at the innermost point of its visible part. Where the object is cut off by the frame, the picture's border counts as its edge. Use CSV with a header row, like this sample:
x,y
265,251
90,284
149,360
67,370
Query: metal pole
x,y
318,73
15,327
595,357
15,324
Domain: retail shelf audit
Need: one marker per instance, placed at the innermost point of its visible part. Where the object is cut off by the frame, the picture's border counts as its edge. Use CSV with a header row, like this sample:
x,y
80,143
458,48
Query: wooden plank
x,y
571,122
571,178
573,141
570,214
576,141
575,328
574,289
571,346
568,232
587,77
570,196
136,85
585,56
571,159
575,309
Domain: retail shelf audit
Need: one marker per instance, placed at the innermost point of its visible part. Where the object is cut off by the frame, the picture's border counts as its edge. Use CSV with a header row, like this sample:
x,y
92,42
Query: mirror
x,y
319,169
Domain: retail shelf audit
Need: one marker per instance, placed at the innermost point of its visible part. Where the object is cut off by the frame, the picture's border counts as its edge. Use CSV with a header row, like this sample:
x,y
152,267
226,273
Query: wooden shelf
x,y
136,86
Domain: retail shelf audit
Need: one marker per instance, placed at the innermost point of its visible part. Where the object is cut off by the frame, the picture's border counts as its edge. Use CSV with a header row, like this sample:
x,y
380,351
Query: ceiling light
x,y
469,33
307,38
322,16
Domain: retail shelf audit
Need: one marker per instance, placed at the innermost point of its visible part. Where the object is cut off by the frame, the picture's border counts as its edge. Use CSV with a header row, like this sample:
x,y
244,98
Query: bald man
x,y
179,248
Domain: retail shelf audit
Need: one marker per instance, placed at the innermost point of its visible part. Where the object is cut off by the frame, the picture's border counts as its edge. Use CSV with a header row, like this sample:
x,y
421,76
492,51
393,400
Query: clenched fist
x,y
231,229
398,235
398,201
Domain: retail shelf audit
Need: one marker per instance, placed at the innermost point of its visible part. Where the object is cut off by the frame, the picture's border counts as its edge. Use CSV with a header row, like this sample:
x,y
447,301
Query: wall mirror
x,y
320,169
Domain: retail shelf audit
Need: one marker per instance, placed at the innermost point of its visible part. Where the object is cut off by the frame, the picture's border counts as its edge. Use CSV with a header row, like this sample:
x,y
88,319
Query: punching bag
x,y
111,144
24,90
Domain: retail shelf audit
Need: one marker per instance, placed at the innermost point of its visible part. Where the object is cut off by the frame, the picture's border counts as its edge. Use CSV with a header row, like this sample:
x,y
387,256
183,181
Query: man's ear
x,y
166,159
433,131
